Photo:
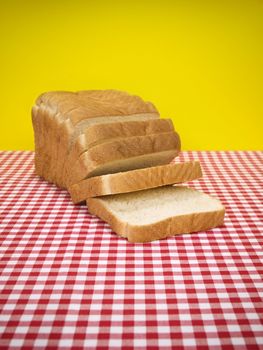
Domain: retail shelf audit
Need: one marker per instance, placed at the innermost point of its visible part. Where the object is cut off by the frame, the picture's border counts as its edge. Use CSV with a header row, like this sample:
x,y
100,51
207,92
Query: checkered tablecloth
x,y
68,281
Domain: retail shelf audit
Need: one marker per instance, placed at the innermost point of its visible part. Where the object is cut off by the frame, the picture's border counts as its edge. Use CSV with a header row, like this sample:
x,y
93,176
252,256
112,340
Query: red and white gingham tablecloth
x,y
67,281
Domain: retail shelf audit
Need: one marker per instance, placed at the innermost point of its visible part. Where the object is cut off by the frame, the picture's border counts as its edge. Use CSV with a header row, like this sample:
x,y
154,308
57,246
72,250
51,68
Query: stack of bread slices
x,y
112,150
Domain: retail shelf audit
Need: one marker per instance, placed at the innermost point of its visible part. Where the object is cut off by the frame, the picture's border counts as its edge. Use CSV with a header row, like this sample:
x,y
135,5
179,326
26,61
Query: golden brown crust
x,y
135,180
38,139
42,119
97,102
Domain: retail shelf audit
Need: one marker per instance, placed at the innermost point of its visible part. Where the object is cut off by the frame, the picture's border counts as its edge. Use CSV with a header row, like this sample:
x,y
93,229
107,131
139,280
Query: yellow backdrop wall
x,y
200,62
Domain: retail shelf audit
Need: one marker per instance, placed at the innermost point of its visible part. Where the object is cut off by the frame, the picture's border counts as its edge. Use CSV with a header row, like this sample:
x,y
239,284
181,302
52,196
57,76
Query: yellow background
x,y
200,62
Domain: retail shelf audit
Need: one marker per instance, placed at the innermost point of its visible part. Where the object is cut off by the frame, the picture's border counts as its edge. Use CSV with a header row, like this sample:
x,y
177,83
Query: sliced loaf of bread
x,y
119,139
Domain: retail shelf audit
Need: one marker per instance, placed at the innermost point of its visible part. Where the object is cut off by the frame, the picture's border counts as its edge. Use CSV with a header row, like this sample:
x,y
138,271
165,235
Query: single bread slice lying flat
x,y
158,213
135,180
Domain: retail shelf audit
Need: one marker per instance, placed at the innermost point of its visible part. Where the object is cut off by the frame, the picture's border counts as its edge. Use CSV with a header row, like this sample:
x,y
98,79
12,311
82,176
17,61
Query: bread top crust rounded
x,y
97,102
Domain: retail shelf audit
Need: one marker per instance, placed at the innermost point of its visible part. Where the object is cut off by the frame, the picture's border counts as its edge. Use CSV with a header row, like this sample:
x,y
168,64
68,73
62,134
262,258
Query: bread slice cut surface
x,y
135,180
158,213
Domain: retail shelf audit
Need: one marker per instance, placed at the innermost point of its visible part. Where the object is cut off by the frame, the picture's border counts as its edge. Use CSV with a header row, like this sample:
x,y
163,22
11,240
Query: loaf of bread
x,y
111,150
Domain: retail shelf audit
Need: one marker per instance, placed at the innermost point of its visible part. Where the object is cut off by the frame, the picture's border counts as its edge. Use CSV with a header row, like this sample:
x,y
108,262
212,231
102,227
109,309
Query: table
x,y
67,281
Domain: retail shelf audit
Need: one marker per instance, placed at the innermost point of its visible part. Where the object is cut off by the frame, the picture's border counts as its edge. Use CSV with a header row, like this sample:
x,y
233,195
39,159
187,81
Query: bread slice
x,y
126,127
97,132
74,107
158,213
126,154
135,180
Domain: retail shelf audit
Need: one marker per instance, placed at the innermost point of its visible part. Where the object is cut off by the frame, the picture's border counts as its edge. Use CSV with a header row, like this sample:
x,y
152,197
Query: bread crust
x,y
135,180
43,135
